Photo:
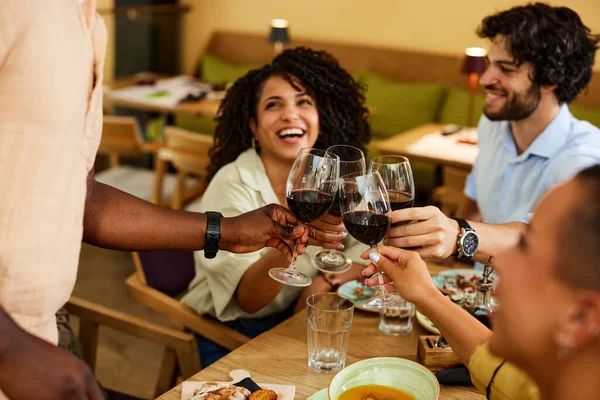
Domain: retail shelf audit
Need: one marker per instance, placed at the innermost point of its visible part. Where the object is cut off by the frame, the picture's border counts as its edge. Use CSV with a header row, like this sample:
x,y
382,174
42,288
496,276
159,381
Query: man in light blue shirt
x,y
540,59
506,184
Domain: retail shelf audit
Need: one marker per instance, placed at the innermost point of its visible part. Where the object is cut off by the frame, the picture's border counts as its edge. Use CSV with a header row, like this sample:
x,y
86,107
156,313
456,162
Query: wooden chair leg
x,y
189,360
178,194
159,176
88,335
168,372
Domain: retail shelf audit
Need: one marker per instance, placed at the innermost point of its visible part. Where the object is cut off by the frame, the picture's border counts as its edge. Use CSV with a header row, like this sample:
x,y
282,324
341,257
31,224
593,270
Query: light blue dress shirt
x,y
507,186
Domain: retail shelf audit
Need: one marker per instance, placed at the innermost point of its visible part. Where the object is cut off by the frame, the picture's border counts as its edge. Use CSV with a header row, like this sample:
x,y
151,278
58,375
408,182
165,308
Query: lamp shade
x,y
279,31
474,61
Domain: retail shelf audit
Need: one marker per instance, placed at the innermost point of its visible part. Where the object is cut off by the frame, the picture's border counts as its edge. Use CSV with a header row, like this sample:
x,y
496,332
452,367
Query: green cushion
x,y
454,110
218,71
154,129
399,106
201,124
589,114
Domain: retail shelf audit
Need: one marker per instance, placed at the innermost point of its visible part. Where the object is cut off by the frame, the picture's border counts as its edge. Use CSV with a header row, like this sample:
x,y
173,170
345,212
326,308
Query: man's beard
x,y
517,108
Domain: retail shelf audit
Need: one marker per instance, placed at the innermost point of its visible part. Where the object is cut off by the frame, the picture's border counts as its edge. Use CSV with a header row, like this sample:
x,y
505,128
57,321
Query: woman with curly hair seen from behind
x,y
304,98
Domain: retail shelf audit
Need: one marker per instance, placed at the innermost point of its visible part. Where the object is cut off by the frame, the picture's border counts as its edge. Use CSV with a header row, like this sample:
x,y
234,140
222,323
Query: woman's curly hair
x,y
553,39
339,99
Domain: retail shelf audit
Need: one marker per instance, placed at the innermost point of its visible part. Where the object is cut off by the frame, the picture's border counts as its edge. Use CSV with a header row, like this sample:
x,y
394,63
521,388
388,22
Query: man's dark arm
x,y
33,369
117,220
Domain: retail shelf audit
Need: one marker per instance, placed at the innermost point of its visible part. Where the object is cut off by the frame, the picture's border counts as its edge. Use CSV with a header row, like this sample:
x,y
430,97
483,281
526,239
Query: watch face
x,y
470,244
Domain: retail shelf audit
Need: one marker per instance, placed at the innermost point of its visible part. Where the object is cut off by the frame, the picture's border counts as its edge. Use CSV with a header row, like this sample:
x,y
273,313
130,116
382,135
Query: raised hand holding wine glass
x,y
366,212
310,191
352,160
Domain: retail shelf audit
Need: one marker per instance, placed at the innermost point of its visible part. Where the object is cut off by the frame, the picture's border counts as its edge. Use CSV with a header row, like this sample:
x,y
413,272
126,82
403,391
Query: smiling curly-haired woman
x,y
303,98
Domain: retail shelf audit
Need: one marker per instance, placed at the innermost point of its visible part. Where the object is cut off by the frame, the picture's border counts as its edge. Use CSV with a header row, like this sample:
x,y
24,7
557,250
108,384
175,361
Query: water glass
x,y
329,321
397,319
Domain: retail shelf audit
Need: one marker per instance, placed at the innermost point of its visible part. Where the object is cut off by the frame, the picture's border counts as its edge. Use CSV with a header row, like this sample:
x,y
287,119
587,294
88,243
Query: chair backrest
x,y
168,271
188,153
121,137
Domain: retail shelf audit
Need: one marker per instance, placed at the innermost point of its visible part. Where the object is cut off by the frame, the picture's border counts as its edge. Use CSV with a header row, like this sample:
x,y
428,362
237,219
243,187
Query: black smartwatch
x,y
468,241
213,233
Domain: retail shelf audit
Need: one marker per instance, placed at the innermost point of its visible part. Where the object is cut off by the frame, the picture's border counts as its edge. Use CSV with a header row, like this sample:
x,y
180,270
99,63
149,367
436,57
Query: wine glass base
x,y
378,302
290,278
336,263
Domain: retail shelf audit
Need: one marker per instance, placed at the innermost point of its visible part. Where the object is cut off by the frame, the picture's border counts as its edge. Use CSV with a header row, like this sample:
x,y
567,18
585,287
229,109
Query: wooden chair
x,y
121,137
182,345
187,152
160,278
450,195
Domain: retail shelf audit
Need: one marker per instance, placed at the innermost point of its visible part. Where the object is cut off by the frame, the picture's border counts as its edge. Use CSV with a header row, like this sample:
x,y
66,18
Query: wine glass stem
x,y
382,290
383,293
292,267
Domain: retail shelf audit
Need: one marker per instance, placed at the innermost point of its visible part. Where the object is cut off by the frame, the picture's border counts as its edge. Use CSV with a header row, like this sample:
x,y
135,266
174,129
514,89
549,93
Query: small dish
x,y
349,290
427,324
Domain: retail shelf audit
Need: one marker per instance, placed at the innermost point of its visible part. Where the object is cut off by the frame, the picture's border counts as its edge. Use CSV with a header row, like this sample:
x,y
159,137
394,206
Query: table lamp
x,y
474,66
279,34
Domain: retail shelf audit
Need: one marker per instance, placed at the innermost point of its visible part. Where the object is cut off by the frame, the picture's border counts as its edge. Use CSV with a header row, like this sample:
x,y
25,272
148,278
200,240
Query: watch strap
x,y
213,233
463,223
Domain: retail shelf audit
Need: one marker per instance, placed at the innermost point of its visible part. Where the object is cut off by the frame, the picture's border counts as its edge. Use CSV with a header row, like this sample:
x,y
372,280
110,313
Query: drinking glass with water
x,y
329,321
397,319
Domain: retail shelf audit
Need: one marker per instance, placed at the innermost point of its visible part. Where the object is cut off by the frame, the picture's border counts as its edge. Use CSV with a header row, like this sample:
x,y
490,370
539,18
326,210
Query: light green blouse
x,y
239,187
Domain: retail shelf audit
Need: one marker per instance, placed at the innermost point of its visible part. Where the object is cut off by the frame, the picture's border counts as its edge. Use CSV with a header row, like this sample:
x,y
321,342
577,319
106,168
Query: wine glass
x,y
310,191
366,212
352,160
397,177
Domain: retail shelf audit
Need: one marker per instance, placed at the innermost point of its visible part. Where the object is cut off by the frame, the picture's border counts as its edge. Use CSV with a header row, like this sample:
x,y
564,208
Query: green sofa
x,y
398,107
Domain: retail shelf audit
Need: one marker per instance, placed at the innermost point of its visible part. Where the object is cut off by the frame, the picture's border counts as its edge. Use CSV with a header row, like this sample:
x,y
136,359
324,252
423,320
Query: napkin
x,y
457,376
249,384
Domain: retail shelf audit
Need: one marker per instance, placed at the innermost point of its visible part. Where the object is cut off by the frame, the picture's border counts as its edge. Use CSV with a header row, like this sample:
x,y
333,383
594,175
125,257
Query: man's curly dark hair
x,y
339,99
553,39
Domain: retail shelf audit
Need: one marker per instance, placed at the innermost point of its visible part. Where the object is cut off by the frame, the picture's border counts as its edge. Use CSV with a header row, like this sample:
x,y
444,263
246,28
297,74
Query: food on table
x,y
358,292
374,392
263,394
461,288
220,391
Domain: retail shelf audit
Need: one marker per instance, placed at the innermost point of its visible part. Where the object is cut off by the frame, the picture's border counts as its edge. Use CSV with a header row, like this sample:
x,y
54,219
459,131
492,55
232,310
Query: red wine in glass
x,y
310,191
400,200
367,227
308,204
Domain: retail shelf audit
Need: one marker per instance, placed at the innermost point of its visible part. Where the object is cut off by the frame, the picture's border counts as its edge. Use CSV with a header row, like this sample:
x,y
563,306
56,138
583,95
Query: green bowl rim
x,y
437,383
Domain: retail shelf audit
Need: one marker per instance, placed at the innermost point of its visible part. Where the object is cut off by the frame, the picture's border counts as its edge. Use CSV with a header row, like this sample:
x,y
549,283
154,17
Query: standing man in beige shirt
x,y
51,62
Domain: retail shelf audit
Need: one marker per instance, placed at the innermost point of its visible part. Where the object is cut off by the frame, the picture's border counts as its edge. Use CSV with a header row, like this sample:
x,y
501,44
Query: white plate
x,y
284,392
427,324
320,395
347,290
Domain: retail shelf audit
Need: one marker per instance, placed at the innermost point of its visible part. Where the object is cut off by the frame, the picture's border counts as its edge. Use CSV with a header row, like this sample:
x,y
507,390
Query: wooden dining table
x,y
279,356
193,108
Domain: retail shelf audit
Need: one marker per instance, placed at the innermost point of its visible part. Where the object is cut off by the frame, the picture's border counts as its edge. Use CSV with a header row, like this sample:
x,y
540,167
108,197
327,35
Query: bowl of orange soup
x,y
384,378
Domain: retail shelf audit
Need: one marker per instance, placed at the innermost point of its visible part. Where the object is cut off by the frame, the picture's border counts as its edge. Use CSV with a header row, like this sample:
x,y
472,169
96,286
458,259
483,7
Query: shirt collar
x,y
253,174
549,142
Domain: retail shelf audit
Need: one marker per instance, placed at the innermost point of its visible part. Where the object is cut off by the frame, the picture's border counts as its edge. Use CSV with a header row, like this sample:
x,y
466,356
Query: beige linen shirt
x,y
51,60
239,187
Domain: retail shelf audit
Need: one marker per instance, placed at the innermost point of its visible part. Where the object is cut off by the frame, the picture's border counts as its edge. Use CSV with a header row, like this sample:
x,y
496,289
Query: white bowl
x,y
397,373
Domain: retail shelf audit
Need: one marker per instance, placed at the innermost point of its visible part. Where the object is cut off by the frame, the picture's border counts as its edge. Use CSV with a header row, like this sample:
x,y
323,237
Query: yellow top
x,y
510,382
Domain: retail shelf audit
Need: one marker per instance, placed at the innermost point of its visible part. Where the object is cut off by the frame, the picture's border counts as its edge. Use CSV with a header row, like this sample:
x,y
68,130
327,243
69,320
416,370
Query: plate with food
x,y
427,324
358,293
239,388
461,284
